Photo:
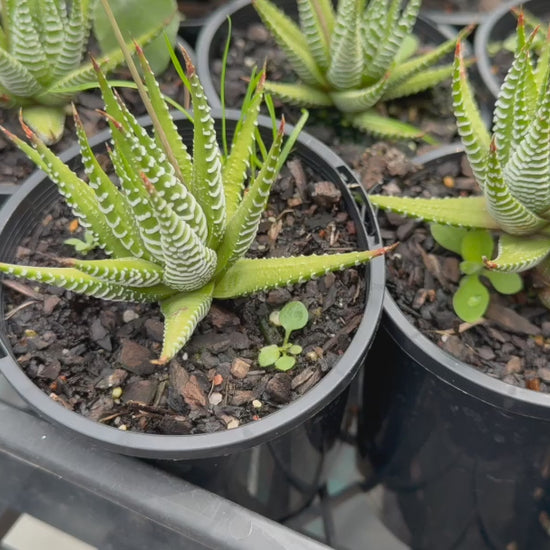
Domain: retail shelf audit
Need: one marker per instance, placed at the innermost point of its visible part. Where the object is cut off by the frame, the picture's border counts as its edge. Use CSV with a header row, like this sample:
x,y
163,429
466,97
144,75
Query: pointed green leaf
x,y
79,196
527,173
470,212
253,275
511,215
317,23
188,263
126,271
291,40
111,202
470,125
357,101
207,184
428,78
243,226
25,41
235,167
299,94
397,25
182,313
387,128
82,283
346,53
16,78
182,156
516,254
515,104
86,73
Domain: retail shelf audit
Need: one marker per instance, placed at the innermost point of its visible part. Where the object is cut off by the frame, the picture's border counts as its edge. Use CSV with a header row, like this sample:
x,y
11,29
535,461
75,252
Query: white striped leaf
x,y
346,53
517,253
510,214
470,125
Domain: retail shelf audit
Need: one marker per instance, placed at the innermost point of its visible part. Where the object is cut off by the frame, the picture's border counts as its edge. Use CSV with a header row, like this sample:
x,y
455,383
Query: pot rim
x,y
459,374
483,34
226,442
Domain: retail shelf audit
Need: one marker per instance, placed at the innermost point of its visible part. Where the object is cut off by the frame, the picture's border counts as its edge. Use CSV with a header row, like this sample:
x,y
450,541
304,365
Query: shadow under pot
x,y
494,44
463,457
273,465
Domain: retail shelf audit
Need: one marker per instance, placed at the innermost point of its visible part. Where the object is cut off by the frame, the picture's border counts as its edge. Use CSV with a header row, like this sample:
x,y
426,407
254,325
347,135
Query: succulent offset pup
x,y
179,226
512,168
41,49
354,59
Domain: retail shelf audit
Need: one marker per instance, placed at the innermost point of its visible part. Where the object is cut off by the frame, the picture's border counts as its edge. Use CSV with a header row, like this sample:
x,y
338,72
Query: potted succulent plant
x,y
182,244
337,61
42,45
433,425
494,40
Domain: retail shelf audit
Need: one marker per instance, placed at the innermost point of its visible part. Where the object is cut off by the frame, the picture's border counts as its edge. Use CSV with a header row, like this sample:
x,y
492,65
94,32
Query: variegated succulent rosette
x,y
177,226
42,44
511,166
354,58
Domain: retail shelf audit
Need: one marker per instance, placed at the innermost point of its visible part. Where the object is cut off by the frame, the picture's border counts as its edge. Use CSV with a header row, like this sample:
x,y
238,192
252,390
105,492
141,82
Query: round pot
x,y
273,465
499,25
195,15
454,17
242,14
464,458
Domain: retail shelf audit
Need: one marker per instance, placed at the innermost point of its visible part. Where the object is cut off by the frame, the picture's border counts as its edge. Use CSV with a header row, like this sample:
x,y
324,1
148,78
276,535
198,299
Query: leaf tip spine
x,y
188,63
28,132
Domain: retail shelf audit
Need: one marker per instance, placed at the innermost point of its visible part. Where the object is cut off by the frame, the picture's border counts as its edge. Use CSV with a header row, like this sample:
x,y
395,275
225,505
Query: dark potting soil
x,y
512,343
430,111
79,349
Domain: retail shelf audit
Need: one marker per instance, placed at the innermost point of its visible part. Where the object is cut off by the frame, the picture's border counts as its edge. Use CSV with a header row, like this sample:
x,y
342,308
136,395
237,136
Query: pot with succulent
x,y
464,454
41,50
495,43
175,232
337,62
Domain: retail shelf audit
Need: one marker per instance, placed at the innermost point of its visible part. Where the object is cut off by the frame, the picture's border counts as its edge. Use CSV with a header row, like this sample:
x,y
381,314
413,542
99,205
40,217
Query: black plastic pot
x,y
498,26
458,18
463,457
274,465
242,13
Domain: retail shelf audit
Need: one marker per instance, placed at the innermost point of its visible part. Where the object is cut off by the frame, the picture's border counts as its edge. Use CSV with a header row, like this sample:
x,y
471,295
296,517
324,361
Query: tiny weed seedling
x,y
471,300
293,316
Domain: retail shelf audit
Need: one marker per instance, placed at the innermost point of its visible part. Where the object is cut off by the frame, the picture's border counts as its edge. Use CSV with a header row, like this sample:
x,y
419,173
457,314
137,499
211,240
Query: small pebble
x,y
239,367
129,315
215,398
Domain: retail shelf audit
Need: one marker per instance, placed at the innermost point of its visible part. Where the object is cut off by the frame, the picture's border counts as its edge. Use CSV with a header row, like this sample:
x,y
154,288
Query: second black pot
x,y
497,27
275,465
464,458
